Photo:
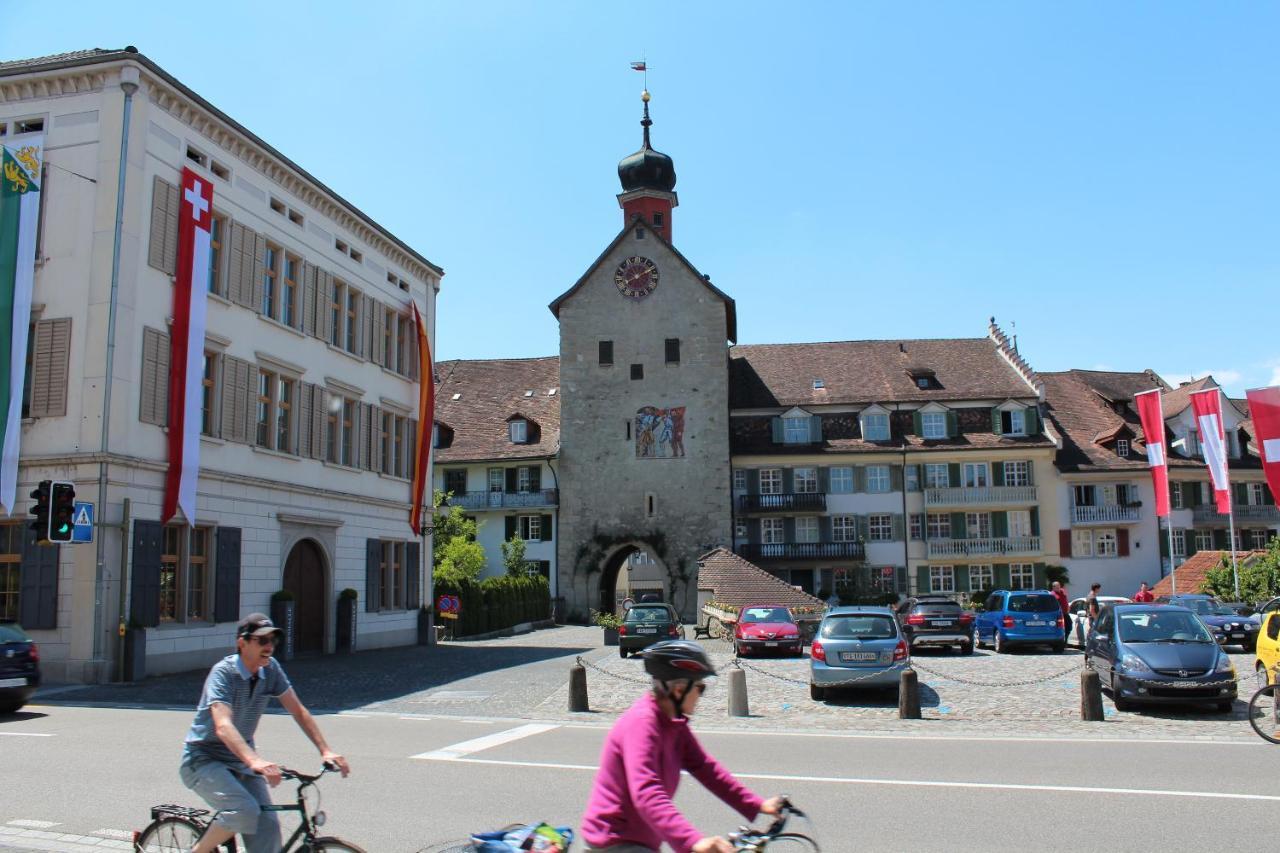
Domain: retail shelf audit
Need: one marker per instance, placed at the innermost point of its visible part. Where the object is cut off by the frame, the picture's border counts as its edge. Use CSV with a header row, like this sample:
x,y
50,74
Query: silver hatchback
x,y
856,647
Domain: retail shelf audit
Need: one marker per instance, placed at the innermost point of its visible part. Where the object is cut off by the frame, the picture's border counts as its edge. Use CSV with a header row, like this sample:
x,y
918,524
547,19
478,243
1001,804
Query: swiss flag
x,y
1207,407
1152,415
1264,409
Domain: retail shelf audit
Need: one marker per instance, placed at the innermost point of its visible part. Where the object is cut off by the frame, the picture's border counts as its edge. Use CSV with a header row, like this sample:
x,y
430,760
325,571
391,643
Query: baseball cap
x,y
257,625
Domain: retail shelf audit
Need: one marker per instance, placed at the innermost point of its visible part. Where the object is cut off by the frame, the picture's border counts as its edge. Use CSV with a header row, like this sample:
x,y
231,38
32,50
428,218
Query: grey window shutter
x,y
257,263
899,527
922,578
162,252
953,474
824,528
250,396
375,440
368,436
775,424
226,582
378,352
38,590
362,333
509,528
234,414
154,405
815,428
319,423
240,265
51,356
324,305
372,574
753,531
863,526
413,575
307,320
303,447
859,478
413,368
144,586
546,529
962,579
901,578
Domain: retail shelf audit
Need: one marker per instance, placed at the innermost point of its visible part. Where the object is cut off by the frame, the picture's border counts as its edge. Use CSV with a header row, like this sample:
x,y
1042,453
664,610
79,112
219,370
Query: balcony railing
x,y
1012,546
1105,514
1208,513
505,500
965,496
793,502
803,551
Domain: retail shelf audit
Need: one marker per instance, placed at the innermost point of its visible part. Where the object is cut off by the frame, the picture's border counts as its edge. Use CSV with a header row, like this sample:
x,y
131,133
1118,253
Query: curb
x,y
522,628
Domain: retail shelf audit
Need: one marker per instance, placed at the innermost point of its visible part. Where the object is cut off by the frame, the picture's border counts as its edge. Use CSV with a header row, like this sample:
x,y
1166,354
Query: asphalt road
x,y
85,777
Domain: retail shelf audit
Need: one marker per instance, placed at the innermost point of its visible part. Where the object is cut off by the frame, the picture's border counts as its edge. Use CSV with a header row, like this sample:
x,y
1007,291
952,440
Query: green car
x,y
646,624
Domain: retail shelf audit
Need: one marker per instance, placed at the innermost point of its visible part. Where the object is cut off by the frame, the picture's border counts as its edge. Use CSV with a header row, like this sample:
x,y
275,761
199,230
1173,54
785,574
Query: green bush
x,y
496,603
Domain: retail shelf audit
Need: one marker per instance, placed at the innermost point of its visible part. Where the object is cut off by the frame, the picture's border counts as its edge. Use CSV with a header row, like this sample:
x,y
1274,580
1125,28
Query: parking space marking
x,y
908,783
466,747
25,734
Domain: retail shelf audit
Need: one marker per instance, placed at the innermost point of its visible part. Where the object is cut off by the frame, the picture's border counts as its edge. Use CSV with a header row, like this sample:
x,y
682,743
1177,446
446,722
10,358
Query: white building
x,y
310,382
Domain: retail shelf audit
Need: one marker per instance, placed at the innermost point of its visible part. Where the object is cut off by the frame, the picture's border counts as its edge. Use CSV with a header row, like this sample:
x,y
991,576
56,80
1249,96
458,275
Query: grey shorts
x,y
238,799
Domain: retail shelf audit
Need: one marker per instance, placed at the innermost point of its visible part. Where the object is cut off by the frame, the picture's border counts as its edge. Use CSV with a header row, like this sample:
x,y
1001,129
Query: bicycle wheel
x,y
792,842
334,845
1264,713
169,835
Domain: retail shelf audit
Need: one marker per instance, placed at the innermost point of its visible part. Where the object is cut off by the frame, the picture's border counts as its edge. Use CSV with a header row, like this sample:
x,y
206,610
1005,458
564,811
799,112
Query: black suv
x,y
936,620
19,667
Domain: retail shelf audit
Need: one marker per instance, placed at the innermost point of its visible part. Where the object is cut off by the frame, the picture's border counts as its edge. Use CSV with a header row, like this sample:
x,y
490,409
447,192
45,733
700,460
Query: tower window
x,y
640,233
606,353
657,219
673,350
650,505
637,371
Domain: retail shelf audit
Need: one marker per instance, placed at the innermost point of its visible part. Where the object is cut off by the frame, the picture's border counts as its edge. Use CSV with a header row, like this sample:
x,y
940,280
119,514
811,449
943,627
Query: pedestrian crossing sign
x,y
82,522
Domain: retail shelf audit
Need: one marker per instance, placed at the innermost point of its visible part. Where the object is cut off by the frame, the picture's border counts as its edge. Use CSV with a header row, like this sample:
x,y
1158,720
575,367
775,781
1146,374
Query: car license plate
x,y
646,630
943,623
1035,623
1237,636
771,642
858,656
13,682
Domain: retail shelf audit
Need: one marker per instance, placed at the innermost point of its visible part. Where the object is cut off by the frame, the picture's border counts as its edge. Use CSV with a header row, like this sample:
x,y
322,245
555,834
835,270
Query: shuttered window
x,y
50,357
239,387
162,250
246,266
38,592
10,569
154,404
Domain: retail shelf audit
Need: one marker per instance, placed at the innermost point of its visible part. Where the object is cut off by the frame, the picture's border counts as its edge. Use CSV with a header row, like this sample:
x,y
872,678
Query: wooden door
x,y
304,577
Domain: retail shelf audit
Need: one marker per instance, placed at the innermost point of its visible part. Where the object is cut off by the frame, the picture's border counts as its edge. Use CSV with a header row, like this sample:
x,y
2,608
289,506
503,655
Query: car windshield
x,y
648,614
11,633
1149,626
1035,602
766,614
858,626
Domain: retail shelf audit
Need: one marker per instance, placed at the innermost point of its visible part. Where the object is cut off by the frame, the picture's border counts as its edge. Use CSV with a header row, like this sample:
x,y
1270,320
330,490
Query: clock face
x,y
636,277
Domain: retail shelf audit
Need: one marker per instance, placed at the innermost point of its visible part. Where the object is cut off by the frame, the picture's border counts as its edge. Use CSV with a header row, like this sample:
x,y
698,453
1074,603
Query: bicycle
x,y
1264,707
775,837
178,828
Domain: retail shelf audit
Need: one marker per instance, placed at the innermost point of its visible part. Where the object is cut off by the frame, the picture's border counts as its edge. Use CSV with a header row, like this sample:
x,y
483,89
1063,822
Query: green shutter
x,y
1164,544
509,527
1189,537
997,473
1038,575
753,481
824,528
922,578
546,528
1220,539
899,527
788,529
1033,421
788,481
996,426
958,530
1035,521
953,474
962,579
778,435
1240,493
895,478
1000,575
953,428
919,475
1000,525
815,429
917,425
863,527
859,478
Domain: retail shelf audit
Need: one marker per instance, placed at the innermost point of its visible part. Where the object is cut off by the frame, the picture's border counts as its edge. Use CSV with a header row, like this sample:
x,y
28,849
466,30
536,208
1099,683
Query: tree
x,y
1259,578
456,555
513,558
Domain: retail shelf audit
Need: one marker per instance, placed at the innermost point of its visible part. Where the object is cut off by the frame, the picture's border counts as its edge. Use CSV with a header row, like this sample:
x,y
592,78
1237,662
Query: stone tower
x,y
644,439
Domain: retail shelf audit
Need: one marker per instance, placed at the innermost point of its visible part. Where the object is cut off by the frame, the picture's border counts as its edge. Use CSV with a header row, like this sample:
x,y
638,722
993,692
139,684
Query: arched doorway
x,y
631,571
304,577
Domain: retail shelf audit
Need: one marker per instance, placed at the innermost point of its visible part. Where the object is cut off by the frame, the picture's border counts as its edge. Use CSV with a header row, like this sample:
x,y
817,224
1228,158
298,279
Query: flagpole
x,y
1231,528
1173,568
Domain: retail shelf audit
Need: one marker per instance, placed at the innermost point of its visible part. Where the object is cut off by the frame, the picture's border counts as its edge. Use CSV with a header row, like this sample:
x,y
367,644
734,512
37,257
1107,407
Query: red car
x,y
767,628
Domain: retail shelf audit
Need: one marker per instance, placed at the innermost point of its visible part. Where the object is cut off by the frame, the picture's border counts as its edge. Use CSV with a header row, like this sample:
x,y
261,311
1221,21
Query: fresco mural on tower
x,y
659,432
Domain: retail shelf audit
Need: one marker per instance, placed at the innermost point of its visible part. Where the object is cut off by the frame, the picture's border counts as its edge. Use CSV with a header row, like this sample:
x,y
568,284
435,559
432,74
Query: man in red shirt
x,y
1143,595
1061,594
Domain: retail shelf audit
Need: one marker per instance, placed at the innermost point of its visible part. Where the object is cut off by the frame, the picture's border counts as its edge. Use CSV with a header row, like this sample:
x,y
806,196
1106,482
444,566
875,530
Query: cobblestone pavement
x,y
526,677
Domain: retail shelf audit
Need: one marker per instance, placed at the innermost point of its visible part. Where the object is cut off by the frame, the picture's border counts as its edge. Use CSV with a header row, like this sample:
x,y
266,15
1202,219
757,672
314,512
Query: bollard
x,y
1090,696
908,695
738,693
578,688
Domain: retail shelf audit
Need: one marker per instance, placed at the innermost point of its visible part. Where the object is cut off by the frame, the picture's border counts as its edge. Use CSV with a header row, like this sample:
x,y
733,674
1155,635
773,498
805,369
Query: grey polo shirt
x,y
230,683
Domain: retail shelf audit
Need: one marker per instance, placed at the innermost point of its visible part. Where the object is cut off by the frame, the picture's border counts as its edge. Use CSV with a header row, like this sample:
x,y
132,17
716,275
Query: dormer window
x,y
1122,448
924,378
518,430
1013,422
795,430
933,424
875,426
818,385
922,382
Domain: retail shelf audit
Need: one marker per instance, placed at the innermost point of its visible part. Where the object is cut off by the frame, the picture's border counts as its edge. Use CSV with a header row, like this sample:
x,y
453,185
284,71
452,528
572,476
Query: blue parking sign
x,y
82,521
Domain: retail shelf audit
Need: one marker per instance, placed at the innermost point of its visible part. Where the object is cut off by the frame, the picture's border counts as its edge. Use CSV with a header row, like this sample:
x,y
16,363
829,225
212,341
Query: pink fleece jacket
x,y
639,770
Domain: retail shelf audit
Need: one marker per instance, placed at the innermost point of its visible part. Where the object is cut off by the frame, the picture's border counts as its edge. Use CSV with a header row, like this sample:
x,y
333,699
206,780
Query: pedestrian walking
x,y
220,761
1061,594
1091,602
1143,595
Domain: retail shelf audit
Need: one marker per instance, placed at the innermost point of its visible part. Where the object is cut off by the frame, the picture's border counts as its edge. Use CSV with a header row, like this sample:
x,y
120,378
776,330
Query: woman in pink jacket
x,y
630,810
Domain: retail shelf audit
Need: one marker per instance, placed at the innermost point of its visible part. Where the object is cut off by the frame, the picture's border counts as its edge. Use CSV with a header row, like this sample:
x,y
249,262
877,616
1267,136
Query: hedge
x,y
498,602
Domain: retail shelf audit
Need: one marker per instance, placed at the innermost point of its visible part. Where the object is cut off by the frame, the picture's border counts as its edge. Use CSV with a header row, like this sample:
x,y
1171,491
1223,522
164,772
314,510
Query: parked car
x,y
646,624
1227,626
1267,649
766,628
1078,613
936,620
856,642
19,667
1158,654
1021,617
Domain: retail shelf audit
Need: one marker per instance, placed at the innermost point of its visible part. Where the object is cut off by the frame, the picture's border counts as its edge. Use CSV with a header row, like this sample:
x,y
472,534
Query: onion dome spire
x,y
647,169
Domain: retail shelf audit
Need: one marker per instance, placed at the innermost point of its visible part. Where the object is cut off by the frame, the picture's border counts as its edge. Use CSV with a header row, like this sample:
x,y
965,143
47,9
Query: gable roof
x,y
1175,401
735,581
491,393
1090,409
772,375
731,309
1191,574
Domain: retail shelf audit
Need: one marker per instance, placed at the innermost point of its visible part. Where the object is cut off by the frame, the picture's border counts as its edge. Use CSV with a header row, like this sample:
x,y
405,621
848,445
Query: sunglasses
x,y
268,640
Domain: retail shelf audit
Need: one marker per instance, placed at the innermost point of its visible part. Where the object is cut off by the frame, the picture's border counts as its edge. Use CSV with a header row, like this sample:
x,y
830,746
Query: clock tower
x,y
644,473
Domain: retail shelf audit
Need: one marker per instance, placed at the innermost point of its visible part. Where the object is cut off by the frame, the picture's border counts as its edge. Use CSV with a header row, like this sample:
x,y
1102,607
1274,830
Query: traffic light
x,y
62,511
40,494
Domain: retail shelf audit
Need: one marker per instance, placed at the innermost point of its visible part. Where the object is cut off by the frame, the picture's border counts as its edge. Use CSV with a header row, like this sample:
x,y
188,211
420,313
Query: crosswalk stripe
x,y
467,747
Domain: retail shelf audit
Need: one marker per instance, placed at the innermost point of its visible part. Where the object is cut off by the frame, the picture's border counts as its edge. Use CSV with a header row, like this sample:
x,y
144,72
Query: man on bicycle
x,y
631,809
220,762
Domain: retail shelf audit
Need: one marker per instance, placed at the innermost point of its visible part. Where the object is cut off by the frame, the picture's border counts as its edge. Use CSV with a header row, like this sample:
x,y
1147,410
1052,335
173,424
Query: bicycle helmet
x,y
675,660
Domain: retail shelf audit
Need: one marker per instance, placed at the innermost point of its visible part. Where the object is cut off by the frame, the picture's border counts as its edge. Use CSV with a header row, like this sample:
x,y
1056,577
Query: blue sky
x,y
1102,175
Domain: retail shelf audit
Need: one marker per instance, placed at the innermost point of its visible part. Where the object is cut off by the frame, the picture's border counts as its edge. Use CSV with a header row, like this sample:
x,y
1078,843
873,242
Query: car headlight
x,y
1134,664
1224,665
1249,626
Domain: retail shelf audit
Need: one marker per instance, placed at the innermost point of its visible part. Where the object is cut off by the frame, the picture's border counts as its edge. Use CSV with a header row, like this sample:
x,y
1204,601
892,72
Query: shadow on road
x,y
880,697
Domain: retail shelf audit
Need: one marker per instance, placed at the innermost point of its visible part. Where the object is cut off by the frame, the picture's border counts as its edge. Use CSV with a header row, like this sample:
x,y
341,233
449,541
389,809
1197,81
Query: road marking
x,y
24,734
114,833
982,738
467,747
909,783
33,824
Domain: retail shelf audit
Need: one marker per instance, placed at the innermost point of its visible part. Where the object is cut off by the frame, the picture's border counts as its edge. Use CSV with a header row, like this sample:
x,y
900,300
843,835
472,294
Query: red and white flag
x,y
186,345
426,422
1207,408
1264,409
638,66
1152,415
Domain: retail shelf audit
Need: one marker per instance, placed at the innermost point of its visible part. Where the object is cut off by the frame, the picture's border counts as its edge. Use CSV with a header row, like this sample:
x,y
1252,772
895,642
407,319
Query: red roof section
x,y
735,582
1191,574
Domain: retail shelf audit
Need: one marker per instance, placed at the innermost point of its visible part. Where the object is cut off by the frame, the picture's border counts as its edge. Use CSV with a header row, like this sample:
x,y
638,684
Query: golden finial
x,y
644,96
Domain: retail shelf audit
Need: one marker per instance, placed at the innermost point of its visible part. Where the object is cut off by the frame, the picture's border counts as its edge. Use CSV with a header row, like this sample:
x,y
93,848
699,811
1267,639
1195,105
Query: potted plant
x,y
346,633
135,652
610,623
282,610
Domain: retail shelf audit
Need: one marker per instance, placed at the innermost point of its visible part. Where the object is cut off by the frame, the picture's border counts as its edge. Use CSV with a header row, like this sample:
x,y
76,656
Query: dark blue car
x,y
1158,654
1021,617
19,667
1228,626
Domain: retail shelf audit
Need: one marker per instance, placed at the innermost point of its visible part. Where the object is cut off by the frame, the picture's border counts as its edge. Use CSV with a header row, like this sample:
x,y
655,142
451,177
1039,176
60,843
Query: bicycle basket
x,y
536,837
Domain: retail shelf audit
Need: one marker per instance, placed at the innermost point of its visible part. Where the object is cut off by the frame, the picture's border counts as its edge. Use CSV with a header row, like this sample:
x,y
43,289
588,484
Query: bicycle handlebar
x,y
327,767
750,834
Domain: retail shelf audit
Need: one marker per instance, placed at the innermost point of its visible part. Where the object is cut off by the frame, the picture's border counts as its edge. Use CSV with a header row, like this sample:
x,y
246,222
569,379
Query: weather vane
x,y
643,68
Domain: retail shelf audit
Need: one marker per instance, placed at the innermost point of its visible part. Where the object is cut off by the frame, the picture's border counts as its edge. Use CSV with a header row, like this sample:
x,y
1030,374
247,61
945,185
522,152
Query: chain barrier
x,y
589,665
1040,679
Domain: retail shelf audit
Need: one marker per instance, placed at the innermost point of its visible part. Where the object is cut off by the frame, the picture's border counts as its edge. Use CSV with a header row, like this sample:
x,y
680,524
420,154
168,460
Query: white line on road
x,y
24,734
33,824
467,747
911,783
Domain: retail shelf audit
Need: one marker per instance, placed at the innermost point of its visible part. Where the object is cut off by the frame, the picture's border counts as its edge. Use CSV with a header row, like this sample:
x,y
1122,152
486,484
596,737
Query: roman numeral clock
x,y
636,277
